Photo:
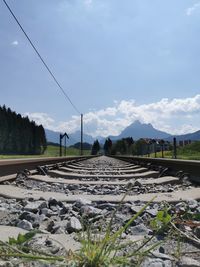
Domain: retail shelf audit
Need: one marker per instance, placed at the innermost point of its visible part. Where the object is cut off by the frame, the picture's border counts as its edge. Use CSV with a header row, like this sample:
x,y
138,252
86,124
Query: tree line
x,y
127,146
19,135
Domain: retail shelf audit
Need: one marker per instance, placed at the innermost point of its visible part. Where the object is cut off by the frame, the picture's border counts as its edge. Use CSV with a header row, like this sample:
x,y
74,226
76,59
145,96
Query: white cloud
x,y
190,10
176,116
41,118
15,43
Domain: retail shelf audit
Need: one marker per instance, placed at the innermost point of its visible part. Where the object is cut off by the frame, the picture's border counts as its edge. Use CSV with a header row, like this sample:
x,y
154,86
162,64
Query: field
x,y
190,152
52,151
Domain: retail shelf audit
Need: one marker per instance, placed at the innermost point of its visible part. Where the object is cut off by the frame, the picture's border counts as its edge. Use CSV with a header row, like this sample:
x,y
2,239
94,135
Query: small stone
x,y
193,204
197,231
73,225
171,189
156,263
90,211
188,262
136,209
137,183
50,226
35,206
82,202
55,250
47,212
48,242
140,229
29,216
6,264
52,202
181,207
64,210
129,185
161,250
26,225
152,212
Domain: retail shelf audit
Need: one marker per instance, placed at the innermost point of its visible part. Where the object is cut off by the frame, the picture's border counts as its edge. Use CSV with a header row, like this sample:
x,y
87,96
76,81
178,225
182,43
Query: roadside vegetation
x,y
125,146
146,148
191,152
51,151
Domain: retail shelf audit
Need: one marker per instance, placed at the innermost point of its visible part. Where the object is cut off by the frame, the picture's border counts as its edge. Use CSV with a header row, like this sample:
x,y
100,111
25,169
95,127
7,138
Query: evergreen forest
x,y
19,135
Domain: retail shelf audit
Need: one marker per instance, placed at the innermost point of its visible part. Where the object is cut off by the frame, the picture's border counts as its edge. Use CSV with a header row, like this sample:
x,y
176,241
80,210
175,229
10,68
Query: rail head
x,y
12,166
191,167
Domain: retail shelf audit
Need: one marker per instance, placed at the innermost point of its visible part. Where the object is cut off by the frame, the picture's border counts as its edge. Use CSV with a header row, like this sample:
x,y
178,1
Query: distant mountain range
x,y
136,130
190,136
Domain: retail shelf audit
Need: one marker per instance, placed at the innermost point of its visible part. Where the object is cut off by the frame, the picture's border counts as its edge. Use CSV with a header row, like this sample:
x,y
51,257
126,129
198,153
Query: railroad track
x,y
91,186
101,176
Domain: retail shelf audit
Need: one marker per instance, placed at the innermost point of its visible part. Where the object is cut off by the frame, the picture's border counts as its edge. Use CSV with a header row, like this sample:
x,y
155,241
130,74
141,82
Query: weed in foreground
x,y
103,250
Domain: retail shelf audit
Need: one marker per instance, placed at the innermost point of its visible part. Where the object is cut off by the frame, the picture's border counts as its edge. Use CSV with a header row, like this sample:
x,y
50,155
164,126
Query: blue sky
x,y
117,60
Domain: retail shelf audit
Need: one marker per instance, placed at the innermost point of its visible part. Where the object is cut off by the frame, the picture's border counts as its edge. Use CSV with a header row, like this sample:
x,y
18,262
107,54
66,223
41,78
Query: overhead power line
x,y
41,58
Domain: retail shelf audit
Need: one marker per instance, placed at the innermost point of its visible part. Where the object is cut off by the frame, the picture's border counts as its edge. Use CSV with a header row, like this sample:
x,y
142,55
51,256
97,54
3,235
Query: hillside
x,y
190,136
139,130
73,138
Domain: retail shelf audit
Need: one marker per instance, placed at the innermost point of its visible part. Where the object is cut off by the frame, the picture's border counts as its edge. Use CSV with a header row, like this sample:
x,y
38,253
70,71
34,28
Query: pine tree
x,y
20,136
95,148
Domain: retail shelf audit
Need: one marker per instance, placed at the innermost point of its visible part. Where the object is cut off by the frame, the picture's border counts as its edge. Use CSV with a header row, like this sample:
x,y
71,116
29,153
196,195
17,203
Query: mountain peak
x,y
138,130
137,122
140,124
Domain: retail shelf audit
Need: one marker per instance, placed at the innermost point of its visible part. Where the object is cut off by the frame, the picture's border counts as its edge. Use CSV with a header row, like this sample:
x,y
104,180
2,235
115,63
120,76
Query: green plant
x,y
18,248
105,251
162,220
21,238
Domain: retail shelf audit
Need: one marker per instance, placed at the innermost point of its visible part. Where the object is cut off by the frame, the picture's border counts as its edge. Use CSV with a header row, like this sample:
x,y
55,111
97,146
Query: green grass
x,y
96,251
51,151
189,152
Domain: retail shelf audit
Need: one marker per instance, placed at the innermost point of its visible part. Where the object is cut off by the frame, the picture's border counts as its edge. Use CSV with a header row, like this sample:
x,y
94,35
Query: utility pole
x,y
174,145
60,145
65,146
81,134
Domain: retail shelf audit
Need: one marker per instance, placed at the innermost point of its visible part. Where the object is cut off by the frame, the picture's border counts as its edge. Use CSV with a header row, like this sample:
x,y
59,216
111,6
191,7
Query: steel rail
x,y
13,166
191,167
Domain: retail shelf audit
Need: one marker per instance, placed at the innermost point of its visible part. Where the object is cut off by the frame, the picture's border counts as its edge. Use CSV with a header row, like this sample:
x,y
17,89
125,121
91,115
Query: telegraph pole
x,y
60,145
81,134
174,148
